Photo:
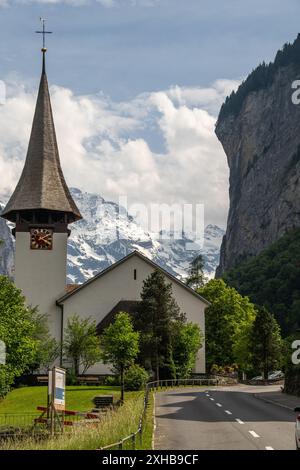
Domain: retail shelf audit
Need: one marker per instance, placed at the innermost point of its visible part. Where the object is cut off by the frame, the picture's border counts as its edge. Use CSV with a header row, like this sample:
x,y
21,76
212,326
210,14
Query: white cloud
x,y
105,147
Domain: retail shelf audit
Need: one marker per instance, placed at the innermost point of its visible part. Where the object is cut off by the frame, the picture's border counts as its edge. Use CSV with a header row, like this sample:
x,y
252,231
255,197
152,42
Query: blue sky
x,y
127,49
136,87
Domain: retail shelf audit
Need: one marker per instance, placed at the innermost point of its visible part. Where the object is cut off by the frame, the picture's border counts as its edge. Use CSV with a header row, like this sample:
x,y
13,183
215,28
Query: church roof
x,y
42,184
128,306
123,260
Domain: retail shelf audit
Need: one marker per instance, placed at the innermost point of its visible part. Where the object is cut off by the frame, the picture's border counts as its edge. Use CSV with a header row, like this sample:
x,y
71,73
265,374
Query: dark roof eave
x,y
9,213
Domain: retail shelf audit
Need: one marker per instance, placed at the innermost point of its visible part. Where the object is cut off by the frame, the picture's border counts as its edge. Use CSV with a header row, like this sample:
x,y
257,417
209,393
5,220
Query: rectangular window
x,y
134,274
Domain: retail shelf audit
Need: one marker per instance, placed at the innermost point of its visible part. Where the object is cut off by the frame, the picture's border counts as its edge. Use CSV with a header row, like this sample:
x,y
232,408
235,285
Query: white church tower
x,y
41,208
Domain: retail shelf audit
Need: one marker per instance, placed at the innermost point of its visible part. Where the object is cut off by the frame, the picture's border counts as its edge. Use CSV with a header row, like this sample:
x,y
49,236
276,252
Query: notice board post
x,y
56,396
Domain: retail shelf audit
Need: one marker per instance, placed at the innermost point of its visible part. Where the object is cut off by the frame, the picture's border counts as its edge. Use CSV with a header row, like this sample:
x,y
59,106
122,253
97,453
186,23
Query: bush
x,y
6,380
112,380
136,378
215,369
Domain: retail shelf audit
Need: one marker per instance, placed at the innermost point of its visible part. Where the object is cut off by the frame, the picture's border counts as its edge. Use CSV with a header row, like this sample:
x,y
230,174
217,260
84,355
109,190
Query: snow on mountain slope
x,y
107,233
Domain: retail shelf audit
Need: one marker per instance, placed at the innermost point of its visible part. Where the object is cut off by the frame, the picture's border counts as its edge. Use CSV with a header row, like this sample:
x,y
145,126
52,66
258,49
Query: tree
x,y
266,344
227,319
242,348
48,352
196,278
17,328
154,319
81,343
120,345
187,340
272,279
48,349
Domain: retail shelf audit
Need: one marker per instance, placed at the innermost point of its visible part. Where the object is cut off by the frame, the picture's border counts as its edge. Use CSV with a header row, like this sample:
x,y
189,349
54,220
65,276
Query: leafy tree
x,y
242,348
187,340
17,329
266,344
228,320
81,343
196,278
154,319
120,345
48,349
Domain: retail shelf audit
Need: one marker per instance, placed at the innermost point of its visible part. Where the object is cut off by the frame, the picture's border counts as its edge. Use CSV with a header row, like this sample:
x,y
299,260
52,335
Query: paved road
x,y
222,418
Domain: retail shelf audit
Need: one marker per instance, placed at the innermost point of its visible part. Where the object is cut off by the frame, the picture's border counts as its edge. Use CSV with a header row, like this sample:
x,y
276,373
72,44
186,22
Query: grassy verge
x,y
113,427
148,425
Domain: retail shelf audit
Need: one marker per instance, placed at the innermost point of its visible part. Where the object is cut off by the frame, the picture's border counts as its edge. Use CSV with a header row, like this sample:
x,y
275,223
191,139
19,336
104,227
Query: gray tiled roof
x,y
42,184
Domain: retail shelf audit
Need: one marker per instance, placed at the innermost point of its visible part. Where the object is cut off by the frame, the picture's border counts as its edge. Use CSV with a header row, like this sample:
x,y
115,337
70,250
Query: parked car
x,y
277,375
297,428
256,379
273,375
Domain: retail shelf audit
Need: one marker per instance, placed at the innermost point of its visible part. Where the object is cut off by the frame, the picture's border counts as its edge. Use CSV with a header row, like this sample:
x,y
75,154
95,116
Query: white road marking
x,y
253,433
269,448
228,412
212,399
219,404
239,421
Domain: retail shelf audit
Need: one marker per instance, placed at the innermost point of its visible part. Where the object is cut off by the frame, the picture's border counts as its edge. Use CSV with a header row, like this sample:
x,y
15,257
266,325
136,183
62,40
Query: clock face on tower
x,y
41,239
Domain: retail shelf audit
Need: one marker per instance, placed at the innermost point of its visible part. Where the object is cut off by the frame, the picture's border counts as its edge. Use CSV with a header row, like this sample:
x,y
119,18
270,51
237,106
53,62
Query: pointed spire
x,y
44,61
42,185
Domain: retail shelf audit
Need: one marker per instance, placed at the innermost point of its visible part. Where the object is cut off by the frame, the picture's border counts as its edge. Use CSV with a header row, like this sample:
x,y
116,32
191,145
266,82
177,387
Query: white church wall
x,y
98,298
41,275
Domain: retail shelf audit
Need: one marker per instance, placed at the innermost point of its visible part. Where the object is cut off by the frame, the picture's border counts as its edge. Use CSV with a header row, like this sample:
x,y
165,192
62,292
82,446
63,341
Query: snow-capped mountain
x,y
107,233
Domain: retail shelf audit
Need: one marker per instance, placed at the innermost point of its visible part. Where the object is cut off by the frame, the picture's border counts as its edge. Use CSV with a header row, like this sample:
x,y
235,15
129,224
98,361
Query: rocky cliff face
x,y
262,143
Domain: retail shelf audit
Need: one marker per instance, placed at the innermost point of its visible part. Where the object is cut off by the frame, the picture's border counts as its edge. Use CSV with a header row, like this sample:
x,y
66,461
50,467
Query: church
x,y
42,209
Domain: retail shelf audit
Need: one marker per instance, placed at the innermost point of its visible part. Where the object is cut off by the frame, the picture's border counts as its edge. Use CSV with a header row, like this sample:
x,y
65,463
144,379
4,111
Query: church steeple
x,y
41,194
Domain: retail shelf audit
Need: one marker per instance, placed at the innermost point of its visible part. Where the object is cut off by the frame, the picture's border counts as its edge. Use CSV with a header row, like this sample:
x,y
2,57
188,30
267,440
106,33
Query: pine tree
x,y
266,342
154,319
196,278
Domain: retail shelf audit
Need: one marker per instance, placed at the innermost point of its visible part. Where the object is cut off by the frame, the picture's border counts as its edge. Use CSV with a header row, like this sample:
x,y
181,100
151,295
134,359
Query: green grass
x,y
78,398
148,425
115,425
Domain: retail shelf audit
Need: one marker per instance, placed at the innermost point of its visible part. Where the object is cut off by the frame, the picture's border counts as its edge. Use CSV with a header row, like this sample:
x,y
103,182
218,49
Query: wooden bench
x,y
103,401
88,380
42,379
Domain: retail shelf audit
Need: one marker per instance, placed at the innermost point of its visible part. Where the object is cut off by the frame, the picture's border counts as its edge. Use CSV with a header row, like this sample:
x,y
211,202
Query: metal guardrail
x,y
13,425
159,384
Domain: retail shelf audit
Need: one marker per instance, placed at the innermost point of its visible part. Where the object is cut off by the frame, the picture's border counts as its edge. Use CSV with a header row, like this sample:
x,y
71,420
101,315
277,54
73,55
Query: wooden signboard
x,y
58,388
